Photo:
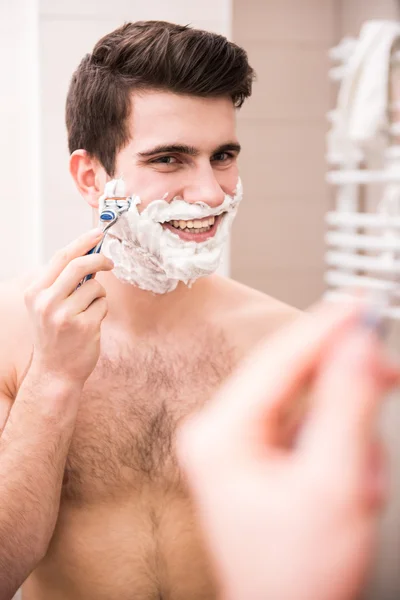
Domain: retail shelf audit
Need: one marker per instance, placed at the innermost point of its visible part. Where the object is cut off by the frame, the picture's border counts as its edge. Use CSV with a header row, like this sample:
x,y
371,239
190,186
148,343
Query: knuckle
x,y
103,261
84,327
101,311
95,285
100,261
78,266
42,304
62,320
107,261
100,290
30,295
104,307
61,256
93,289
86,264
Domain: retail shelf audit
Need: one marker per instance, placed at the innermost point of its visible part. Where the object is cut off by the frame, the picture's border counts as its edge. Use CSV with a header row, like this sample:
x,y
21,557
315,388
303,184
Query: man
x,y
152,110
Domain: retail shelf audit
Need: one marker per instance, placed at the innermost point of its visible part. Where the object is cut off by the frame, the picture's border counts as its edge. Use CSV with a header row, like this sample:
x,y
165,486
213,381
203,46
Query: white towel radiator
x,y
363,229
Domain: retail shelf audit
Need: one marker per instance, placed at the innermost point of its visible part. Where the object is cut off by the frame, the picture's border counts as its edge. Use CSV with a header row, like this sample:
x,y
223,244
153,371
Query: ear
x,y
89,176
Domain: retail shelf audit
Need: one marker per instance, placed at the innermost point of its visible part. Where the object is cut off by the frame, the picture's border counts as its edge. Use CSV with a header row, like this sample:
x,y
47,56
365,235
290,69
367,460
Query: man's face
x,y
181,146
180,168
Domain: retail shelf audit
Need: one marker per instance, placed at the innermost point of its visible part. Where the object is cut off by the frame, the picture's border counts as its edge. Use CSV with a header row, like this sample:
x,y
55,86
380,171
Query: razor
x,y
113,209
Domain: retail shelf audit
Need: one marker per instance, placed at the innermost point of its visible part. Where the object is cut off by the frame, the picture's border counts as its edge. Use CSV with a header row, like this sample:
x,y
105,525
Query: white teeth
x,y
199,224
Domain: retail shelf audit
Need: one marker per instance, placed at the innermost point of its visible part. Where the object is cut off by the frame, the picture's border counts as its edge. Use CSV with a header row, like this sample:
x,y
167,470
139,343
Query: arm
x,y
36,425
65,326
33,450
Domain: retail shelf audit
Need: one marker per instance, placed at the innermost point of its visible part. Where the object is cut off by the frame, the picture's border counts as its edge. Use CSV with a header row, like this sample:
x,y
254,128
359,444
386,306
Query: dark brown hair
x,y
147,55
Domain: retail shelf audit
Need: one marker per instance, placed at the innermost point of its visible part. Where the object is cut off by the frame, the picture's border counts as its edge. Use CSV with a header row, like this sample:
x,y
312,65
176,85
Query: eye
x,y
164,160
223,157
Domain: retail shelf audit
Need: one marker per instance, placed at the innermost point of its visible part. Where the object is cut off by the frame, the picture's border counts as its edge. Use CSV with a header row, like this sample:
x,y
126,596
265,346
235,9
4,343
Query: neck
x,y
145,311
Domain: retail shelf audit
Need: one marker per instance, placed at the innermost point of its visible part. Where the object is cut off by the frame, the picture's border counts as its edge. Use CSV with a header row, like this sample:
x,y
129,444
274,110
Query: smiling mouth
x,y
196,229
194,226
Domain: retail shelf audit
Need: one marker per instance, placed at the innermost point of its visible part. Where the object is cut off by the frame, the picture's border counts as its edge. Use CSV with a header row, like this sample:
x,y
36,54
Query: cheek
x,y
228,178
146,183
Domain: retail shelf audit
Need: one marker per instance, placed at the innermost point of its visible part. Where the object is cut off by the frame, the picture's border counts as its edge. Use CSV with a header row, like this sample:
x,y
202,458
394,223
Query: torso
x,y
127,529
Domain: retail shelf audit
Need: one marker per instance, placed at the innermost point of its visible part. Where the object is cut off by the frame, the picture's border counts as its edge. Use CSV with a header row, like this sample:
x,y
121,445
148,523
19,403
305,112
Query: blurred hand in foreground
x,y
295,519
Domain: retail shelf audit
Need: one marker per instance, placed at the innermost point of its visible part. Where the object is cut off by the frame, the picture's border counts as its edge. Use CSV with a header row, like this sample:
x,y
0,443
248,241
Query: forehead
x,y
165,117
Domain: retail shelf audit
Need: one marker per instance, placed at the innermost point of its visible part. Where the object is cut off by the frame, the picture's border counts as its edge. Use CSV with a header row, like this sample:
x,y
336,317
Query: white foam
x,y
154,258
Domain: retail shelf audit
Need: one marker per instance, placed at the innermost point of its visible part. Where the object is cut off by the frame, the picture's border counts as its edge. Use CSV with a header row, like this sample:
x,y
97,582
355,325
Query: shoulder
x,y
12,305
248,315
15,335
12,293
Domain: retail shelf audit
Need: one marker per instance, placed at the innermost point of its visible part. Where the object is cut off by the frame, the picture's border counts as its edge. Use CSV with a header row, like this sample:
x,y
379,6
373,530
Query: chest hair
x,y
131,407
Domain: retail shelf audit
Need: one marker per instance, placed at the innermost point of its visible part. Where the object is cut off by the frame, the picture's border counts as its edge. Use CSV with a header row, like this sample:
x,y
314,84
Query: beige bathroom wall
x,y
277,243
352,13
67,30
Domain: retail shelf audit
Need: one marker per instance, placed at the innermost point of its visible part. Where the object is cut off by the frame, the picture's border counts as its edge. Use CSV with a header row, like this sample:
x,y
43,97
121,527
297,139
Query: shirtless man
x,y
154,105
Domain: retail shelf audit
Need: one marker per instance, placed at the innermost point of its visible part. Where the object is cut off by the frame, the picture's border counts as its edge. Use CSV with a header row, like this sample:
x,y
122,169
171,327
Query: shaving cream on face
x,y
156,259
113,189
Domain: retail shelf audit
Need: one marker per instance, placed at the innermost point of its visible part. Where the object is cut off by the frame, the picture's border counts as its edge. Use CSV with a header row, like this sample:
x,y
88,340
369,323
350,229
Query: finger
x,y
351,383
96,312
82,298
243,413
75,271
63,257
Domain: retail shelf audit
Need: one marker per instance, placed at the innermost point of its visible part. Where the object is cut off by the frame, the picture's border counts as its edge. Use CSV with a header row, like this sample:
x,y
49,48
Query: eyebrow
x,y
188,150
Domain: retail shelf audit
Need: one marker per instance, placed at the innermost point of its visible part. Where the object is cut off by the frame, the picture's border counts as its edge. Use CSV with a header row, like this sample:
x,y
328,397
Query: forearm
x,y
33,450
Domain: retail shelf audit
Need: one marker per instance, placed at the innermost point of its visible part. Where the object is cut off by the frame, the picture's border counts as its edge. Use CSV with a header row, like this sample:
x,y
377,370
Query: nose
x,y
204,188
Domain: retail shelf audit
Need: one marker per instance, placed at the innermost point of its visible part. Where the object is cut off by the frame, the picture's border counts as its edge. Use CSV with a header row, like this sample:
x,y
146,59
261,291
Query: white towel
x,y
364,93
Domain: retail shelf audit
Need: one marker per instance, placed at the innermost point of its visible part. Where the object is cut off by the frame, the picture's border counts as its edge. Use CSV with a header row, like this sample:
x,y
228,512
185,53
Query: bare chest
x,y
124,440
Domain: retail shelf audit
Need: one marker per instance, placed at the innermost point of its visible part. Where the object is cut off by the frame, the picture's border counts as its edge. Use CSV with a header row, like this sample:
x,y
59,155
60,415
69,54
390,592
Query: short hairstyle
x,y
147,55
